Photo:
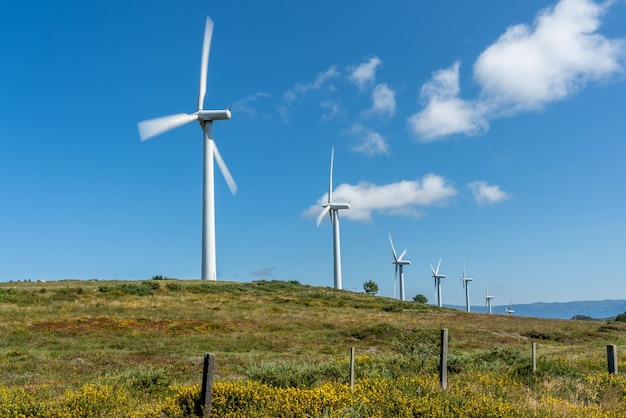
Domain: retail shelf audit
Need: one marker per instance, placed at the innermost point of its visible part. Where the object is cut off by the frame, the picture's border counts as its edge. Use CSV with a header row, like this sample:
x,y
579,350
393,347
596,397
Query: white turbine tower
x,y
509,311
488,300
438,278
400,263
332,208
154,127
466,281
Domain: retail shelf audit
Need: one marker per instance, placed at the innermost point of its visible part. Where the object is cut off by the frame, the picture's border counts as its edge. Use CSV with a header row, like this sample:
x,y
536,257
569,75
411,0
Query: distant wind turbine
x,y
466,281
438,278
154,127
509,311
400,262
332,208
488,300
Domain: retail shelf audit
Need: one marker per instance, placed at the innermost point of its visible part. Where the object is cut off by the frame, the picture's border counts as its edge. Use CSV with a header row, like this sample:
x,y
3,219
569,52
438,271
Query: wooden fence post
x,y
352,369
206,396
611,354
534,352
443,359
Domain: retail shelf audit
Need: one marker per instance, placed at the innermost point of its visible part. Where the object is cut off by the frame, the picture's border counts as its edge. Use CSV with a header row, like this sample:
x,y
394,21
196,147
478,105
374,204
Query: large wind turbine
x,y
438,278
332,208
488,299
400,263
154,127
466,281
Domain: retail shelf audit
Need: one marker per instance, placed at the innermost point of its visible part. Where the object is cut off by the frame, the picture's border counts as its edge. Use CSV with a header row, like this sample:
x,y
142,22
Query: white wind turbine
x,y
438,278
332,208
154,127
466,281
488,300
509,311
400,262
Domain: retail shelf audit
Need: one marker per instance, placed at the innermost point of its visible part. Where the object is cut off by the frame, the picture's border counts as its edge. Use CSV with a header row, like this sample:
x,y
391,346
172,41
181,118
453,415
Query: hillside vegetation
x,y
113,348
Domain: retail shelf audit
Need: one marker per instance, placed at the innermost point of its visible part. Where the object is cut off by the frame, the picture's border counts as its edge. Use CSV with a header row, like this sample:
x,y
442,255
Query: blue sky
x,y
490,132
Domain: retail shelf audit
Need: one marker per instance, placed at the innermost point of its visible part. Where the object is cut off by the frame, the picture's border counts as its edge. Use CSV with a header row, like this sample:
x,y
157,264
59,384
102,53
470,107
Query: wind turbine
x,y
509,311
488,300
154,127
438,278
332,208
466,281
400,263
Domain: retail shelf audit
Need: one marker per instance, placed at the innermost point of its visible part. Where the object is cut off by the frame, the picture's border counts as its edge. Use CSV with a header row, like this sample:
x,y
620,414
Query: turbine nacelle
x,y
205,115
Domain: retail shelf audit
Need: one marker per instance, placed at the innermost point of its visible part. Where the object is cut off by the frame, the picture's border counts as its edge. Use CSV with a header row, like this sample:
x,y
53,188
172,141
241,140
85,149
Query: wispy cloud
x,y
528,67
367,141
333,109
404,198
365,72
246,105
486,194
383,100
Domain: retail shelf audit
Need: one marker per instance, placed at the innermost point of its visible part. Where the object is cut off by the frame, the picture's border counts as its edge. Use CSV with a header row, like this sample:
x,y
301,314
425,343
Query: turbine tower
x,y
400,263
154,127
332,208
488,300
466,281
438,278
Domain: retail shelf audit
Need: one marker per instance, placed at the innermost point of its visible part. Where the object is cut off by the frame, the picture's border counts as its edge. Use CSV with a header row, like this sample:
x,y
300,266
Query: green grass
x,y
149,335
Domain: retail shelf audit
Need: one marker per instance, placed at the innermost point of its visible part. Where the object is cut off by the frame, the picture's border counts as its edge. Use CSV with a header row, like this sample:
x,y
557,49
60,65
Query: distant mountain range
x,y
599,309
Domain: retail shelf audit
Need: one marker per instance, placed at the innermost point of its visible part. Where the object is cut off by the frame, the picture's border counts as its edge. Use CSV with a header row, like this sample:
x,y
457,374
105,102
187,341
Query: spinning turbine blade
x,y
229,179
432,268
330,183
402,254
393,250
204,64
438,265
320,217
153,127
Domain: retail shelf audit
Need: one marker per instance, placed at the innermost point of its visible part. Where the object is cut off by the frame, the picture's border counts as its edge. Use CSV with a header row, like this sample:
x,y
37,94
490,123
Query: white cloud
x,y
367,141
403,198
320,80
333,110
245,105
365,72
525,69
486,194
528,67
445,112
383,100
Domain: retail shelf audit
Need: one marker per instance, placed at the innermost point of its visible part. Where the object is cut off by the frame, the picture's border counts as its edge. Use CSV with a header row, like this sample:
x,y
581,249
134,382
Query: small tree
x,y
621,317
370,287
420,298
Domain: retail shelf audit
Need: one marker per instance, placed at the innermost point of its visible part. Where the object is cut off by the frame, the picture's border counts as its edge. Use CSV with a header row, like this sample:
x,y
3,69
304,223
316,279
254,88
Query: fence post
x,y
352,368
206,396
534,351
611,354
443,359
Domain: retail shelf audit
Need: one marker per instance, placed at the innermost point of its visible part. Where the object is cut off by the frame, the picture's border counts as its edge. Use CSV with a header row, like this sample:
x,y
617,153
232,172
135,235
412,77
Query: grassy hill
x,y
149,337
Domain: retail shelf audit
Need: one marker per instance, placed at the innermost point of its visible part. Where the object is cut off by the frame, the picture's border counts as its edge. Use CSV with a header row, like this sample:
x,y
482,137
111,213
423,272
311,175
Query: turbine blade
x,y
153,127
229,179
323,213
204,64
433,269
402,254
393,249
330,183
438,265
